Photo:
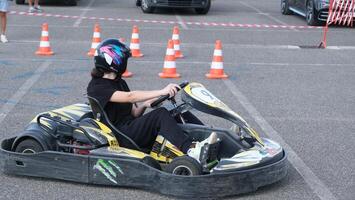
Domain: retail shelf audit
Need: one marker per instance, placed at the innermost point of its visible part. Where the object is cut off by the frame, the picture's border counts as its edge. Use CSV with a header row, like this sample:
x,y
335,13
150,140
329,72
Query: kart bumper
x,y
179,3
115,171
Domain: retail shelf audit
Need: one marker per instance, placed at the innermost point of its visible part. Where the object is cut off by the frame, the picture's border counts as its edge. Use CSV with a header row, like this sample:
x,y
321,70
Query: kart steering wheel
x,y
165,97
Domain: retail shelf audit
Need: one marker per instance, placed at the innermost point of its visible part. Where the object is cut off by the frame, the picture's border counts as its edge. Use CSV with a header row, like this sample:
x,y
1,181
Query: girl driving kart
x,y
123,110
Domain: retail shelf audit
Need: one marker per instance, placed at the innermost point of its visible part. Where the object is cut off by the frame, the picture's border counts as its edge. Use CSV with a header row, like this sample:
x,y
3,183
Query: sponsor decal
x,y
110,169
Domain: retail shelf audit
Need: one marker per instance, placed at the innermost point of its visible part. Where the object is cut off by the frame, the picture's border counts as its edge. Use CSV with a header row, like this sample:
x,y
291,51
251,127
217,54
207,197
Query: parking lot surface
x,y
301,96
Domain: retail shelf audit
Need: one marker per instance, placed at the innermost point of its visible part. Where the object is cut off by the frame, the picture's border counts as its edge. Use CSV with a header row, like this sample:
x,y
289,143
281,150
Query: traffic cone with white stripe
x,y
217,71
44,46
134,46
176,39
96,39
169,70
126,74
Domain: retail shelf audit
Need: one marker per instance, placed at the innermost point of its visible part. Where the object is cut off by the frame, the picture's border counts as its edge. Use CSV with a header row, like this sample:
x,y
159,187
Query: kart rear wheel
x,y
29,146
184,166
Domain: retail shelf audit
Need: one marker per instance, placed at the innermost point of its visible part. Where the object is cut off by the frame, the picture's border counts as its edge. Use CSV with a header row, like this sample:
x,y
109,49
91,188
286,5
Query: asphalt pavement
x,y
299,95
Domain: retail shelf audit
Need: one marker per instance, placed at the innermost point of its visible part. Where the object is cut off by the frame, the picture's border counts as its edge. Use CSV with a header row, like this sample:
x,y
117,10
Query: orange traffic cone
x,y
44,46
169,70
126,74
217,63
135,49
176,39
96,39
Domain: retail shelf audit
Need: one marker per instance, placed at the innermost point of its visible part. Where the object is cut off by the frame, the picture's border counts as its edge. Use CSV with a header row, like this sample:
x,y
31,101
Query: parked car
x,y
65,2
200,6
315,11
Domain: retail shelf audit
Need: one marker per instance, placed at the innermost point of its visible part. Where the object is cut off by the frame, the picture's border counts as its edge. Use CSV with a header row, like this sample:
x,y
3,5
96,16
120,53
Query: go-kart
x,y
78,143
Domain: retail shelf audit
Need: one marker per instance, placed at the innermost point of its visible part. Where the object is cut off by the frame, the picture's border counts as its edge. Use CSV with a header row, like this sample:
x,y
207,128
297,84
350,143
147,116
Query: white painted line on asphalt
x,y
90,60
205,24
193,45
235,28
85,10
181,22
178,62
270,65
7,107
333,47
318,187
341,47
317,119
265,14
198,45
303,64
292,47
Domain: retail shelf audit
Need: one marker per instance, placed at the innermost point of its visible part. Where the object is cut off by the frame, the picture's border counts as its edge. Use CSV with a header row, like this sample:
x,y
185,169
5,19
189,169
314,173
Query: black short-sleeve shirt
x,y
102,89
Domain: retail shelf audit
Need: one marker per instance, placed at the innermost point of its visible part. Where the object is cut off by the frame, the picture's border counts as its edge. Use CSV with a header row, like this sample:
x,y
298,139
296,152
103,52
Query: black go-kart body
x,y
71,144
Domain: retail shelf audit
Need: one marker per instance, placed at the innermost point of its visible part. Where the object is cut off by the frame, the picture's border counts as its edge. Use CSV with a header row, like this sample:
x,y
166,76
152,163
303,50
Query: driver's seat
x,y
100,115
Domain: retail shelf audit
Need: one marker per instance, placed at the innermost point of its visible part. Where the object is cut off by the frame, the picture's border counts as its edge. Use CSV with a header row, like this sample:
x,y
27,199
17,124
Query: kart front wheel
x,y
29,146
184,166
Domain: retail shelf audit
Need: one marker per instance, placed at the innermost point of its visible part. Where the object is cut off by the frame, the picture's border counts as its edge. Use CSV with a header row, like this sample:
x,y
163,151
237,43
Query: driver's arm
x,y
141,96
138,109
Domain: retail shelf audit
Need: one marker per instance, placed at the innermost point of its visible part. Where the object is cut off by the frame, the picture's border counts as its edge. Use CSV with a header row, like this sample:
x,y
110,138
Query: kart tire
x,y
20,1
151,162
285,7
146,7
184,166
29,146
138,3
203,11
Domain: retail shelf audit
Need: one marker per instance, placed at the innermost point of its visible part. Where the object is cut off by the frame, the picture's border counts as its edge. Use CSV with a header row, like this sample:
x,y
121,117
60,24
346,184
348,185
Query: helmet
x,y
111,55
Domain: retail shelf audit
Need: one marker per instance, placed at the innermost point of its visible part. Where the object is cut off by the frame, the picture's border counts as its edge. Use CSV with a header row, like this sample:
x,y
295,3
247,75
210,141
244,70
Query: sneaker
x,y
31,9
3,39
38,9
195,152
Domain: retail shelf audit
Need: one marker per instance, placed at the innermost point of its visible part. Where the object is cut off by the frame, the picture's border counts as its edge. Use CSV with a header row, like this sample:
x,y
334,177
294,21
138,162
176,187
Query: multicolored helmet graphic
x,y
111,55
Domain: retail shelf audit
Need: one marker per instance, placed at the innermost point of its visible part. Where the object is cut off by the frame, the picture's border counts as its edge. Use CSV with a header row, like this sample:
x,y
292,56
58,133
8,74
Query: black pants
x,y
144,130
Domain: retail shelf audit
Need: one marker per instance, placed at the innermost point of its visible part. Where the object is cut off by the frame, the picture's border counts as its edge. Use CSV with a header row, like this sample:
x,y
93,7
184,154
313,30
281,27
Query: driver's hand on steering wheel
x,y
171,89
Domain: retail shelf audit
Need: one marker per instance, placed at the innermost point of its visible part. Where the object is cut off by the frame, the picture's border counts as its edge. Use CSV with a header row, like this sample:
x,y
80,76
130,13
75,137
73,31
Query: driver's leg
x,y
144,130
188,118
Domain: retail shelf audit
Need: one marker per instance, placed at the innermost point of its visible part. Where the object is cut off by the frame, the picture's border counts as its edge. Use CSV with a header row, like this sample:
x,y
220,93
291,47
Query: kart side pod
x,y
128,172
